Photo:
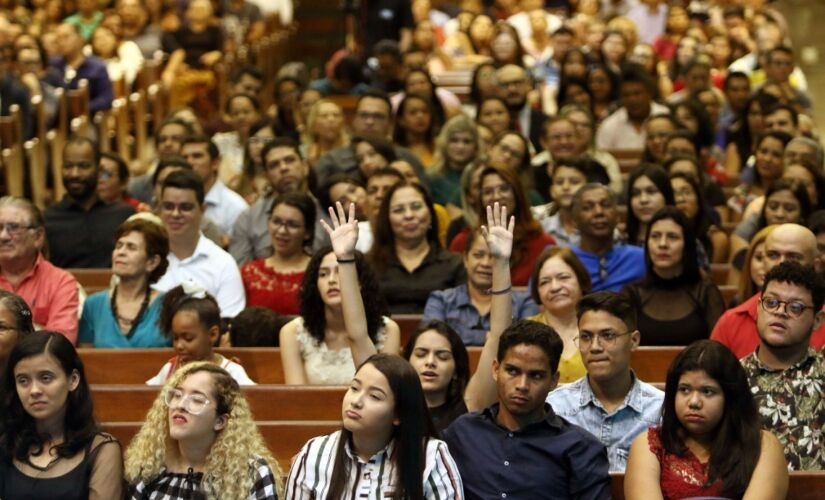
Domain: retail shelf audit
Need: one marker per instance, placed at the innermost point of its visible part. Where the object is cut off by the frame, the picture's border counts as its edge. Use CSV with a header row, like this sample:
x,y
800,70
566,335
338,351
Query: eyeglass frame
x,y
602,340
184,400
15,229
785,304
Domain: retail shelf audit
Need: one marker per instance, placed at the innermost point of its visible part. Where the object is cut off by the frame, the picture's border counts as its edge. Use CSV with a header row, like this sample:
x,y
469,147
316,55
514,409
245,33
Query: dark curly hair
x,y
19,438
176,300
312,305
803,276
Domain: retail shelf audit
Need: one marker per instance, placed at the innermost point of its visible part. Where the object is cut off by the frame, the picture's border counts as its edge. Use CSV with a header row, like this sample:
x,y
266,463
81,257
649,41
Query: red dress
x,y
532,248
269,288
681,477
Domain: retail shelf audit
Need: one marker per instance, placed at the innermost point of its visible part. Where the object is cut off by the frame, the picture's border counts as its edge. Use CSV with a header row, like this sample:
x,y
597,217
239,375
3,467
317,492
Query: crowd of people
x,y
504,216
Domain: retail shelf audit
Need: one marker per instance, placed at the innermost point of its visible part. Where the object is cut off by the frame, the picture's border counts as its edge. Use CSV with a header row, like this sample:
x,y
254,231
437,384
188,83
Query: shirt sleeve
x,y
435,308
294,488
230,296
444,480
86,331
263,481
240,246
106,481
63,310
239,374
589,467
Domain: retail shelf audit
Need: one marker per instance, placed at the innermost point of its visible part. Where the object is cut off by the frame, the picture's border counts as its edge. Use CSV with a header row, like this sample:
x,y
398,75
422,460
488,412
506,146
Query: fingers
x,y
351,218
512,226
490,219
333,217
484,230
326,227
342,216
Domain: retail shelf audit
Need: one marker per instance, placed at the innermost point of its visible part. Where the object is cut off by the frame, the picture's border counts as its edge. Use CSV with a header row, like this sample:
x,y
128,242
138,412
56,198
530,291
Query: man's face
x,y
595,213
780,120
561,139
514,85
377,187
285,169
180,212
109,184
781,246
779,67
68,40
782,327
170,139
17,240
130,12
372,118
636,99
798,152
737,93
197,156
606,360
248,84
523,379
79,171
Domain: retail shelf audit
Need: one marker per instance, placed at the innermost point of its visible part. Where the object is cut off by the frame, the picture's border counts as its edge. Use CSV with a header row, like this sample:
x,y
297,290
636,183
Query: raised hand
x,y
344,231
499,232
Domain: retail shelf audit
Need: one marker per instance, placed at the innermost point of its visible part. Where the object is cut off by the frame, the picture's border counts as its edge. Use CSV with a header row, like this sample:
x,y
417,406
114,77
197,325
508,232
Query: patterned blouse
x,y
681,476
177,486
792,406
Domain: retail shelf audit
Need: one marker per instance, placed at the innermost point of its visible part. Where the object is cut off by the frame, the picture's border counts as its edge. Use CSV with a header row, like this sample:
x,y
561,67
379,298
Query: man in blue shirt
x,y
518,448
74,65
610,401
611,266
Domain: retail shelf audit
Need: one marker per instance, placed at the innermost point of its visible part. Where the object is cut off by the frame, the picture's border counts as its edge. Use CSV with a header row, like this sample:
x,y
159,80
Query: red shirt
x,y
520,273
52,296
269,288
736,329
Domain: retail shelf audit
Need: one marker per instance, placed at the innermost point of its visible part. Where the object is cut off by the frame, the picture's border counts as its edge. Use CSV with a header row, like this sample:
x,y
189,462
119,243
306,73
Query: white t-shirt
x,y
234,369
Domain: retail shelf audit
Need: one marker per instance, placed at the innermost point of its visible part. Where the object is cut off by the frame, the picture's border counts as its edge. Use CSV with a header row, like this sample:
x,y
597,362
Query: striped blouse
x,y
311,472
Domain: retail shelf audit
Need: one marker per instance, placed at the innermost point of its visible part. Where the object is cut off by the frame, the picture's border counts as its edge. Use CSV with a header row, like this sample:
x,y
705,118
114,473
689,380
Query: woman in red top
x,y
503,186
275,282
710,443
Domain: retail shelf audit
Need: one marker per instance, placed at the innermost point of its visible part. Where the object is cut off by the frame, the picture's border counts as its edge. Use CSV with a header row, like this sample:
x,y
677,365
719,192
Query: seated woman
x,y
15,323
407,253
386,447
582,118
127,314
416,127
418,81
657,129
325,130
710,442
512,151
199,440
192,319
335,331
253,183
502,186
493,114
241,112
649,190
560,280
51,445
275,282
372,154
768,151
688,198
457,148
811,178
675,304
748,274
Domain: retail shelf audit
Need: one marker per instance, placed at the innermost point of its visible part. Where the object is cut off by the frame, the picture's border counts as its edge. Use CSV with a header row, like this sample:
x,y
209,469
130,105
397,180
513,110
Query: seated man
x,y
610,401
785,373
611,266
75,65
50,292
737,327
518,447
191,254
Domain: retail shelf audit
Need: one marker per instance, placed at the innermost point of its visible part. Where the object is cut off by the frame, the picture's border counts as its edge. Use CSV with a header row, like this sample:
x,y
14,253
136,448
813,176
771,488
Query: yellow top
x,y
570,369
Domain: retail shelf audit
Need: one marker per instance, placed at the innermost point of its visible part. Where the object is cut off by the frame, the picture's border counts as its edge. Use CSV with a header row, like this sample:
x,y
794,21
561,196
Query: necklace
x,y
132,322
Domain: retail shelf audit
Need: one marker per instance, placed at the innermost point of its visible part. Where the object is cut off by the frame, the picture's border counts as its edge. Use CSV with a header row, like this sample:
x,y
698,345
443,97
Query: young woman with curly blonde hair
x,y
200,441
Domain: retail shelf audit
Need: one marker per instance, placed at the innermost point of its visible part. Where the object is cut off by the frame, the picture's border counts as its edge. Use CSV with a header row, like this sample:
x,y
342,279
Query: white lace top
x,y
325,367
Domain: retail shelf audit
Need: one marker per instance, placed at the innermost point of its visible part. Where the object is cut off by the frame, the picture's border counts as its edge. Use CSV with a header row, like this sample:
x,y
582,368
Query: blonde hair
x,y
746,288
308,134
227,473
455,125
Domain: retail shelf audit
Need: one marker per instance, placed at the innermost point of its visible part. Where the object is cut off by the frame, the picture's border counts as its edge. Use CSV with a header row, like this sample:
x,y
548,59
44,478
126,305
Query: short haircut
x,y
169,162
633,73
185,179
387,47
526,332
348,68
734,75
779,107
590,186
174,121
256,327
122,167
569,258
79,140
35,215
214,152
779,48
610,302
815,145
247,69
376,94
256,104
801,276
281,142
155,239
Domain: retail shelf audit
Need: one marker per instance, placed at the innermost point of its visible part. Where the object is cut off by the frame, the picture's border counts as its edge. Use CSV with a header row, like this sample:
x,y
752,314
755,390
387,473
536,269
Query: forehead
x,y
373,104
195,147
526,357
567,170
80,150
382,180
406,194
478,244
511,73
595,195
133,237
492,179
598,320
108,163
179,195
667,225
284,210
200,381
11,212
38,362
554,265
431,339
280,152
241,101
369,375
561,125
697,377
173,129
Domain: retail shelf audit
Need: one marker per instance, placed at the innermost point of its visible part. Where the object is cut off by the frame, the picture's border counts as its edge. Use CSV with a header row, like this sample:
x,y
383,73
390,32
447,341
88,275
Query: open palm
x,y
344,231
499,232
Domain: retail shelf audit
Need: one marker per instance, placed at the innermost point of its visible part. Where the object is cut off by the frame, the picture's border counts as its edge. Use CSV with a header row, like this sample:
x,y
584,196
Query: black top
x,y
445,414
380,20
12,91
194,44
77,238
407,292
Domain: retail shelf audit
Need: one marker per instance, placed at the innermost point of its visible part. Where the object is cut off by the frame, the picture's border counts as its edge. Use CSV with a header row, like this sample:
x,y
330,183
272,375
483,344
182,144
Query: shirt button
x,y
504,495
509,434
506,463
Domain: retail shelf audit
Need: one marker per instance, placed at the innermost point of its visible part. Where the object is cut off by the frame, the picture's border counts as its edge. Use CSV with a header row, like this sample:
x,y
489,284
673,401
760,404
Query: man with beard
x,y
624,128
514,84
80,229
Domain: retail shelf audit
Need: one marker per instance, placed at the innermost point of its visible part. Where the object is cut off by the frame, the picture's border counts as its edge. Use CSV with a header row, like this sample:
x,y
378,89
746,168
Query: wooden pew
x,y
92,280
129,403
11,151
728,292
719,274
408,324
628,159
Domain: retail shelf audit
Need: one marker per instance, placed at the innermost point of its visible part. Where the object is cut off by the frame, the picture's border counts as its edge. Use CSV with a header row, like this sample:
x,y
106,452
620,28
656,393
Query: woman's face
x,y
257,143
307,99
508,152
576,94
699,403
559,287
494,189
461,148
409,216
614,48
486,81
43,387
202,424
584,127
720,49
481,30
645,199
475,187
287,230
328,284
242,114
684,115
329,122
666,246
416,117
368,159
599,83
418,83
505,48
801,175
104,43
369,403
685,197
769,158
686,50
677,20
192,339
644,56
432,358
575,65
685,167
347,193
424,36
566,181
478,263
129,257
755,121
759,266
657,132
493,114
782,207
8,331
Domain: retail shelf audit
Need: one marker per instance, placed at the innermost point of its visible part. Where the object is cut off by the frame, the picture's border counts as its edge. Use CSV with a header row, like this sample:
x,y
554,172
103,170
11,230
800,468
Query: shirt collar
x,y
213,197
462,296
633,399
810,356
551,420
379,457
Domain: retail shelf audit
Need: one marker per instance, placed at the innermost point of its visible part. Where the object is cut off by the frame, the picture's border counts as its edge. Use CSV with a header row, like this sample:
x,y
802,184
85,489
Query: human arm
x,y
770,477
641,478
392,338
230,295
63,308
173,67
264,482
444,480
481,391
106,478
291,359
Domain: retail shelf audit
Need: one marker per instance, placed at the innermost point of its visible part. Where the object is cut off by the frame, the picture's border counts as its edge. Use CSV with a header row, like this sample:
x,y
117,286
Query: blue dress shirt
x,y
549,459
622,265
454,307
641,409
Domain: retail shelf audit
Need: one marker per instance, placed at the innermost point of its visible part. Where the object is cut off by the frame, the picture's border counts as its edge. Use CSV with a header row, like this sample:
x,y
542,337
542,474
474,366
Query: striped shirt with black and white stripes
x,y
311,472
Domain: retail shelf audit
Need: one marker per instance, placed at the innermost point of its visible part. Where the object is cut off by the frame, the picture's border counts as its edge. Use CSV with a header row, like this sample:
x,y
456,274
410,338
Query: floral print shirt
x,y
792,406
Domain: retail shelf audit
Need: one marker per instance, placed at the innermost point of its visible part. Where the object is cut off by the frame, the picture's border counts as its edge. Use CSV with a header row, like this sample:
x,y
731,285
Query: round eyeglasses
x,y
192,403
792,308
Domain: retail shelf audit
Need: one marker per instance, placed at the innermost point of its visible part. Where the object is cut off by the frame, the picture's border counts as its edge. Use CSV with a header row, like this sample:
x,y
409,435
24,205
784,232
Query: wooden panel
x,y
92,280
719,274
408,324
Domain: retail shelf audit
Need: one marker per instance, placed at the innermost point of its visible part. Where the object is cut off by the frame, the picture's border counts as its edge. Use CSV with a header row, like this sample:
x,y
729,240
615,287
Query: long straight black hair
x,y
738,439
411,434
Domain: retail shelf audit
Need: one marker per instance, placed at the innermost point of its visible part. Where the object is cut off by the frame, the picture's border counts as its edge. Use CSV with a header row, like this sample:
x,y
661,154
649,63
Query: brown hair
x,y
156,240
569,258
746,288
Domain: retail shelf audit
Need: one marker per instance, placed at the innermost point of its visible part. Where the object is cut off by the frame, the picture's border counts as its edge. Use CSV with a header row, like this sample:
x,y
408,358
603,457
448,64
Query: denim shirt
x,y
641,409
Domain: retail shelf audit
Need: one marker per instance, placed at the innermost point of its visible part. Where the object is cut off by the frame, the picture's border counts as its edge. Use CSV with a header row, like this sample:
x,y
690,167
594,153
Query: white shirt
x,y
616,131
234,369
521,22
224,206
214,269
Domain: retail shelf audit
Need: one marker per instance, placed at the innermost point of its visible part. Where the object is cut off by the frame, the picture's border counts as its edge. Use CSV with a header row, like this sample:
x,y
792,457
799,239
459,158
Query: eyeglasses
x,y
290,225
792,308
263,141
107,175
192,403
184,208
363,115
13,228
605,338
